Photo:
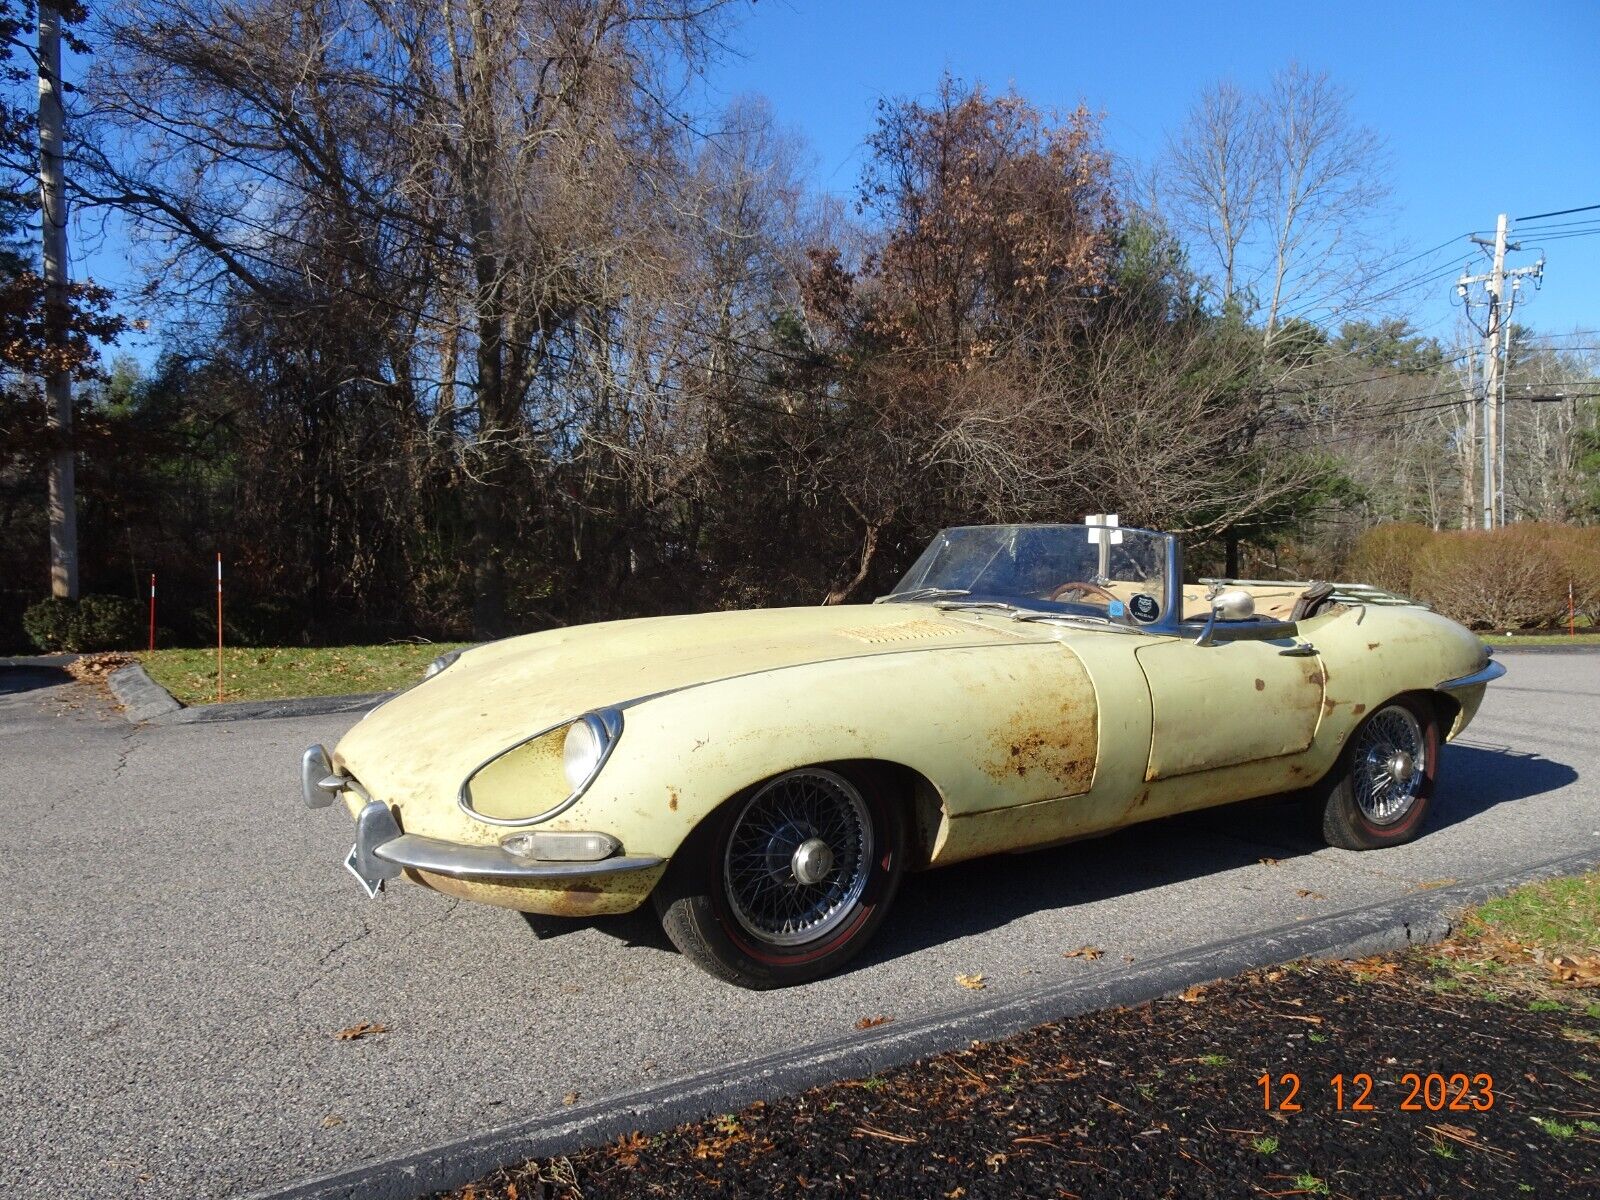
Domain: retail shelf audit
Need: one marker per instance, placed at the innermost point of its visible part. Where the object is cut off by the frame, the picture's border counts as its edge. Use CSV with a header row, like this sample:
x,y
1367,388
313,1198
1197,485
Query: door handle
x,y
1301,650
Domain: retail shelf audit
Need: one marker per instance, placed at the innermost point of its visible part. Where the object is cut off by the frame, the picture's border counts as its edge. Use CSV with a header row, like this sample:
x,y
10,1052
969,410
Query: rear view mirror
x,y
1234,604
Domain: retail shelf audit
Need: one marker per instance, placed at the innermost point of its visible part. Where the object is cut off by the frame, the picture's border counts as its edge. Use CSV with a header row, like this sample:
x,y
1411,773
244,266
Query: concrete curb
x,y
1581,648
1416,919
144,701
142,698
256,710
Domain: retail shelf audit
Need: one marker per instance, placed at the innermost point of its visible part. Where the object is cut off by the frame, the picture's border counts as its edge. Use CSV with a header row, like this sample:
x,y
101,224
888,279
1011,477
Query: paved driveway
x,y
180,943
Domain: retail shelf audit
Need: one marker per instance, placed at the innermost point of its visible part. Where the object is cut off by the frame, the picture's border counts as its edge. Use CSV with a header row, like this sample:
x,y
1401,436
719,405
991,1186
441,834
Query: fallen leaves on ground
x,y
361,1029
91,668
873,1022
332,1120
974,983
1088,952
1308,894
570,1099
1575,972
1193,994
1268,862
1374,967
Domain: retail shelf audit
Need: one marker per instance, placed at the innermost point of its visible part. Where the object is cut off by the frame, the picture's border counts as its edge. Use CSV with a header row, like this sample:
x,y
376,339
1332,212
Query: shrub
x,y
1579,548
92,623
1508,578
107,623
48,623
1386,556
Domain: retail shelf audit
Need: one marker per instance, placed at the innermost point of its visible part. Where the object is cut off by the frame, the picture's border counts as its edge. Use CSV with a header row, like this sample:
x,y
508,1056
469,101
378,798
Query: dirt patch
x,y
1166,1099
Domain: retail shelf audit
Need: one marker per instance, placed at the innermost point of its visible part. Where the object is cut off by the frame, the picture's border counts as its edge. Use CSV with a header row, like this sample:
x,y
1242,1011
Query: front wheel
x,y
1381,790
787,882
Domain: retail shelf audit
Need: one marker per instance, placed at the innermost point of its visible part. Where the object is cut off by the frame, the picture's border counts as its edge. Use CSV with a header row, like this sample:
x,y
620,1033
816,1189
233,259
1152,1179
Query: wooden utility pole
x,y
62,502
1494,355
1491,375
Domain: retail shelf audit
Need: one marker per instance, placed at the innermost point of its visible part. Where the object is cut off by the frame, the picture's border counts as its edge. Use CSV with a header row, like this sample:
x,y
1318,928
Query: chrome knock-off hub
x,y
812,861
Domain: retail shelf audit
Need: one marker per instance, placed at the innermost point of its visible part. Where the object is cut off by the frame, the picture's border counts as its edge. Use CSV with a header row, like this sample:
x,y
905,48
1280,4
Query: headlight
x,y
440,663
583,749
544,775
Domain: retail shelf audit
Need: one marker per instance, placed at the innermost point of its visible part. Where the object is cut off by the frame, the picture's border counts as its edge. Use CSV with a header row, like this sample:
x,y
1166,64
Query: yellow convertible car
x,y
766,777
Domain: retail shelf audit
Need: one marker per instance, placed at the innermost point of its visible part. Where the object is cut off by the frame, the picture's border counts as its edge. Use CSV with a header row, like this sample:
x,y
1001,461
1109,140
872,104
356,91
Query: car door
x,y
1253,695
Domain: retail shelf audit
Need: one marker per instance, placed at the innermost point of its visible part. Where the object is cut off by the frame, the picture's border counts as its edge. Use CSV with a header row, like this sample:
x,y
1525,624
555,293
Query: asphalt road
x,y
180,943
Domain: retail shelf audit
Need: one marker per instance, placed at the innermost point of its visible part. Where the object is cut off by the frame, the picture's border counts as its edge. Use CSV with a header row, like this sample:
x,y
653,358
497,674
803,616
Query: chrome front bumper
x,y
382,852
1491,671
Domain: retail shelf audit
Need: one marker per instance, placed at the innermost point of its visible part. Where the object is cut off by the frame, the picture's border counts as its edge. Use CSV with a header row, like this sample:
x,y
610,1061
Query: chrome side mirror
x,y
1233,604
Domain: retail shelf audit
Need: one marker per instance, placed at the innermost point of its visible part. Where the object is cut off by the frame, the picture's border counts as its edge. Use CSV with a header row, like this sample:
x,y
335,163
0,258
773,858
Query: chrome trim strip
x,y
610,719
1489,673
491,862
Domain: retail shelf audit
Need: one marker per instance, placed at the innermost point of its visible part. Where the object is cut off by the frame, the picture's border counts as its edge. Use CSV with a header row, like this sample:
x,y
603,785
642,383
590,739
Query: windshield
x,y
1115,573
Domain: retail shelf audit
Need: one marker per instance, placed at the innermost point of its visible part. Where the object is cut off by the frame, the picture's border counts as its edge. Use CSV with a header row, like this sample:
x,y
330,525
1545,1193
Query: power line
x,y
1561,212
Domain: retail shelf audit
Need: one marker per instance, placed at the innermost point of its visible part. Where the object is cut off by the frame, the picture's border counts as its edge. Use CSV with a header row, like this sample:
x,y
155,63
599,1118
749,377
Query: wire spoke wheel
x,y
798,857
1388,765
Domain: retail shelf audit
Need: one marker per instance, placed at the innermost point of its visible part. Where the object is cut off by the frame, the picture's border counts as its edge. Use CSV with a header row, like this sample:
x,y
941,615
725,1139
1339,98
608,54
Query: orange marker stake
x,y
219,626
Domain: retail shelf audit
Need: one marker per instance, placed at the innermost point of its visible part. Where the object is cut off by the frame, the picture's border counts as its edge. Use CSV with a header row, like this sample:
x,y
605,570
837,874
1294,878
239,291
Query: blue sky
x,y
1487,108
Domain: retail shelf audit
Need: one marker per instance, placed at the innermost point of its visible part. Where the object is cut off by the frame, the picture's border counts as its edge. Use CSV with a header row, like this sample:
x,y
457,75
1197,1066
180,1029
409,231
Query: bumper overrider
x,y
383,852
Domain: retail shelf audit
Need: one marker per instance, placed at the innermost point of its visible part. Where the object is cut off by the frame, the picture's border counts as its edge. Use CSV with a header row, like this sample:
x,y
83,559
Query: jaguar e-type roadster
x,y
766,777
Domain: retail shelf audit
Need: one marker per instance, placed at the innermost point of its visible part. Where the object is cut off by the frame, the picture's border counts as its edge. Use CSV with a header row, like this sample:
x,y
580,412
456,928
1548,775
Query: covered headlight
x,y
582,750
440,663
545,775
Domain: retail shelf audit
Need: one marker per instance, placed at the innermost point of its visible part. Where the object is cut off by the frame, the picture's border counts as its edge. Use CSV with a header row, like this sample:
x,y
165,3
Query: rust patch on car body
x,y
1053,753
1261,685
1316,679
1373,645
672,799
1358,709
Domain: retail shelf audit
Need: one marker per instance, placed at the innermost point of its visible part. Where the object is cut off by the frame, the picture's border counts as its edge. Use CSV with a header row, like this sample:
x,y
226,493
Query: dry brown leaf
x,y
974,983
1574,972
628,1146
1308,894
1268,862
570,1099
1193,993
361,1029
331,1120
1088,952
873,1022
1375,966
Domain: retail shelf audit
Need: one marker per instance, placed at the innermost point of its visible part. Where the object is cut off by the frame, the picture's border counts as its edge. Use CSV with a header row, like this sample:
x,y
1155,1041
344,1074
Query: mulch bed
x,y
1165,1100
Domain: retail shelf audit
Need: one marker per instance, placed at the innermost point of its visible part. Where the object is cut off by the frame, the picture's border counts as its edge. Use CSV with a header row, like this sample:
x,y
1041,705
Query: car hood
x,y
425,741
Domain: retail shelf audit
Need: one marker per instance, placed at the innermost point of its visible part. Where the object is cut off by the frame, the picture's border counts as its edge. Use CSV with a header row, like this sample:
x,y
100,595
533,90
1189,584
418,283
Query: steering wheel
x,y
1083,587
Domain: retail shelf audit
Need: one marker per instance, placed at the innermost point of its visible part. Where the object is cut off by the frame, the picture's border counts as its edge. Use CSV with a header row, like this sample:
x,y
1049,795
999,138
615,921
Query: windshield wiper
x,y
922,593
962,604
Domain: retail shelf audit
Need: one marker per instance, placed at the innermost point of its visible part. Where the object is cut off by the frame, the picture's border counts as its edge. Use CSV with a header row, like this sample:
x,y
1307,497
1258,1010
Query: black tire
x,y
730,931
1366,805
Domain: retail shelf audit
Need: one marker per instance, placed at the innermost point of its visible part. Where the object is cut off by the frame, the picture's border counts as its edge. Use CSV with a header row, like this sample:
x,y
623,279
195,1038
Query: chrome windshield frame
x,y
1166,624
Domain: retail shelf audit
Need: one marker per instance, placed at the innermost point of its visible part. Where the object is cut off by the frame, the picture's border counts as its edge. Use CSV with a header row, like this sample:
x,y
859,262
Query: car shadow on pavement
x,y
14,680
970,898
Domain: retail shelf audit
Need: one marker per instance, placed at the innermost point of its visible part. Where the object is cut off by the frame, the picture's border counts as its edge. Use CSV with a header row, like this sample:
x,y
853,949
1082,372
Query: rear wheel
x,y
787,882
1379,795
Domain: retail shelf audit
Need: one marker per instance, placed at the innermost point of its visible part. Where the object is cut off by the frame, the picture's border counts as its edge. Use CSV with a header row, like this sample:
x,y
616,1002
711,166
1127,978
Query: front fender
x,y
988,727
